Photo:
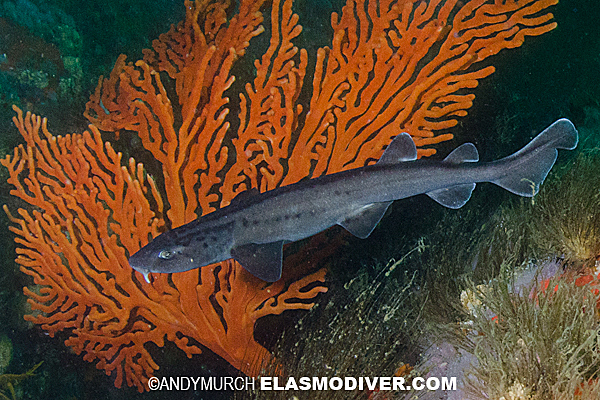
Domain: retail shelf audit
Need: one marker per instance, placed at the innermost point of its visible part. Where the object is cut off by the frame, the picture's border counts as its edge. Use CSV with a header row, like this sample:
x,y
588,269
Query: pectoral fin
x,y
261,260
362,223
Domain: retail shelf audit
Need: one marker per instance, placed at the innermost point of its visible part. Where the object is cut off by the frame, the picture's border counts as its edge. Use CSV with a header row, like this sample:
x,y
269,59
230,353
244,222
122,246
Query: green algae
x,y
367,329
547,347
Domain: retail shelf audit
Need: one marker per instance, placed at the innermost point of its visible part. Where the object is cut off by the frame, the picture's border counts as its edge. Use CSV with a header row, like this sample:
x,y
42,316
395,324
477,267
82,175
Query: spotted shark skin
x,y
254,227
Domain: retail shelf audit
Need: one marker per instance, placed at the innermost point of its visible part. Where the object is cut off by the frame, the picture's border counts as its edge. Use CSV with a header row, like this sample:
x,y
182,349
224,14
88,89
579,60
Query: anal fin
x,y
362,223
261,260
454,196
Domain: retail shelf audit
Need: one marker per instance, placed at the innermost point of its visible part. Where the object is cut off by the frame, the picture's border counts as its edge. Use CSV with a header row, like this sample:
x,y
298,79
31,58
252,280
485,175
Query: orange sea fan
x,y
90,213
393,66
403,66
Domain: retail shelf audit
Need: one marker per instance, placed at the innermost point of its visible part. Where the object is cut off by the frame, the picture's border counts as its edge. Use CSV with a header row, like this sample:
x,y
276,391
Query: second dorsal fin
x,y
466,152
457,196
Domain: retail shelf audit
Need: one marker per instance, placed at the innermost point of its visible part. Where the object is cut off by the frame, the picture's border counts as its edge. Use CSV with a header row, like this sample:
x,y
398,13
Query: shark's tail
x,y
525,178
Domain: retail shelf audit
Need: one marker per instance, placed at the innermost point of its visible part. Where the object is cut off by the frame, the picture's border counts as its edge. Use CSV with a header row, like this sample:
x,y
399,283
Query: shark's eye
x,y
165,254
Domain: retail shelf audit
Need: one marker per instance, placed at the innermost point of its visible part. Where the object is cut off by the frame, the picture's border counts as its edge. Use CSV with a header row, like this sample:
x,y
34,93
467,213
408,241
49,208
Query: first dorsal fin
x,y
401,149
245,195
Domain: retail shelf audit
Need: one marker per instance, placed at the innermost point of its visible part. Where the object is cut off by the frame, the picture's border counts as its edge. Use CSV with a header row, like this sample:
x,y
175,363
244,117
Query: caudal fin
x,y
524,177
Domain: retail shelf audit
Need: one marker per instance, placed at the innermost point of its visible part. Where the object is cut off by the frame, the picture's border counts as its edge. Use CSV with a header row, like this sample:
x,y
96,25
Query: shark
x,y
253,228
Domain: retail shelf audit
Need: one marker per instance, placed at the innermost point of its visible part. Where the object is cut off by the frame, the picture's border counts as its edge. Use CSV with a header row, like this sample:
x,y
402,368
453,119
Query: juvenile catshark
x,y
254,227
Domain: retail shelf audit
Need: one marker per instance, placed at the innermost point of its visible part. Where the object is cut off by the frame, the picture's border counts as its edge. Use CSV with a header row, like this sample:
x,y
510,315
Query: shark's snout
x,y
137,262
